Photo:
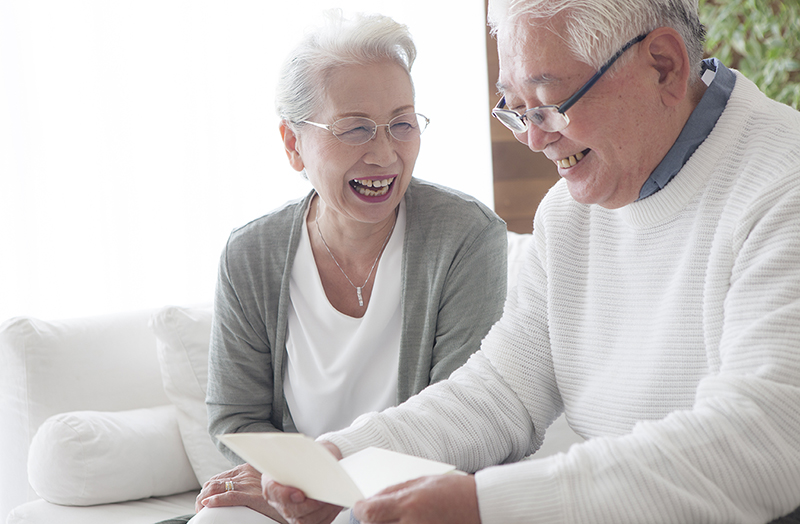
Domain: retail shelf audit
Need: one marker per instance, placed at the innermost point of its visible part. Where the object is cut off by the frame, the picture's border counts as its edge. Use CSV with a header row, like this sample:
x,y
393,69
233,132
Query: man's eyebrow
x,y
539,80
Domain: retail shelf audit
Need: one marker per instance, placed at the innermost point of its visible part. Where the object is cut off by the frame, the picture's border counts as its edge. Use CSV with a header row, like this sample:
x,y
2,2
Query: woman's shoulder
x,y
429,201
269,229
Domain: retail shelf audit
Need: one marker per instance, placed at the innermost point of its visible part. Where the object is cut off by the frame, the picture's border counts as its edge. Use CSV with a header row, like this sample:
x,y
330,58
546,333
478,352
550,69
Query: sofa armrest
x,y
88,457
103,363
518,245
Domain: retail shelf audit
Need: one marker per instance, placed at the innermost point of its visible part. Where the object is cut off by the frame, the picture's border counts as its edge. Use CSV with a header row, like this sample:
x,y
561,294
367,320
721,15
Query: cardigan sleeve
x,y
454,283
471,301
245,391
239,396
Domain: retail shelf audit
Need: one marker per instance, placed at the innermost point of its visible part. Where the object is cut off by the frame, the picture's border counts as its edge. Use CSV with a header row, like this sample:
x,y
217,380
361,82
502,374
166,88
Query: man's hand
x,y
295,507
442,499
293,504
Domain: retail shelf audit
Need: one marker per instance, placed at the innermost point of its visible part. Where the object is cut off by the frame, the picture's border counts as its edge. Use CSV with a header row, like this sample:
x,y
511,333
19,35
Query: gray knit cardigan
x,y
453,289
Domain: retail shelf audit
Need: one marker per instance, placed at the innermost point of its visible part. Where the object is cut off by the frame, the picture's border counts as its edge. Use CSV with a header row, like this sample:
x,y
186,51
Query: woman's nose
x,y
382,148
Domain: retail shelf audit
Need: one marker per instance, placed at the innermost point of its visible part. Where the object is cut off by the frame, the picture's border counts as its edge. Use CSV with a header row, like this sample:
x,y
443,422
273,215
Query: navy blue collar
x,y
720,81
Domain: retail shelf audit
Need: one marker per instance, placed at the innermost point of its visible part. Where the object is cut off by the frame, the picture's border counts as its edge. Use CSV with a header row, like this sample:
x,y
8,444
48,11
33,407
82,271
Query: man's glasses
x,y
356,130
552,118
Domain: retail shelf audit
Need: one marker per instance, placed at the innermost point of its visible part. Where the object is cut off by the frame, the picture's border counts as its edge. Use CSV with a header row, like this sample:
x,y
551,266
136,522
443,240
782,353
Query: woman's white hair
x,y
596,29
361,40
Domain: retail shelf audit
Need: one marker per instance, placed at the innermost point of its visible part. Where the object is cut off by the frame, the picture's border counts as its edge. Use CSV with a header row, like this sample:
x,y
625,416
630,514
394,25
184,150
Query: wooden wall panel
x,y
521,177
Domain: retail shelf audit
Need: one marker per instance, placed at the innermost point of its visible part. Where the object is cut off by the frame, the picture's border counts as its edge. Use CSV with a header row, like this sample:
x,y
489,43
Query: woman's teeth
x,y
368,187
570,161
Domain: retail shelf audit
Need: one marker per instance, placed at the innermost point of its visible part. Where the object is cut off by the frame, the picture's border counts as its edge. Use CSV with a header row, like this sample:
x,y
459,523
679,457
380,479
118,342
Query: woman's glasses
x,y
356,130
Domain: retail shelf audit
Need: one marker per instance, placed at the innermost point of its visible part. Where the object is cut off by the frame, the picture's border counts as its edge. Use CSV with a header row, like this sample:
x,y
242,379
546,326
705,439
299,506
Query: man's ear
x,y
666,54
290,145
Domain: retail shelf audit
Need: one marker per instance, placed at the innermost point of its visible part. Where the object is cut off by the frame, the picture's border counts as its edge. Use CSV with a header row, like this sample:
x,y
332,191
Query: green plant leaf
x,y
761,39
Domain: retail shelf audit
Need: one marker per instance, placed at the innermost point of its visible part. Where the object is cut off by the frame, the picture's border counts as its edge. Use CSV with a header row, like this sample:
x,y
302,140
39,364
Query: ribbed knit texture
x,y
669,331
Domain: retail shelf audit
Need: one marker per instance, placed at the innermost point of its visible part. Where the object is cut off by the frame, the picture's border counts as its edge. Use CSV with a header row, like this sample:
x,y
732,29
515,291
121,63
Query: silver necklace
x,y
358,288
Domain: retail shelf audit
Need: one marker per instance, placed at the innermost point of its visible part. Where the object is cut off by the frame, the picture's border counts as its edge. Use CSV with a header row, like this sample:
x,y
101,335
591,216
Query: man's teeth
x,y
570,161
379,187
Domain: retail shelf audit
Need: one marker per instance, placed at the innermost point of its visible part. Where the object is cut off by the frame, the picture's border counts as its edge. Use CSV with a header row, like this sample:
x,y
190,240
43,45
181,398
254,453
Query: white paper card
x,y
298,461
375,469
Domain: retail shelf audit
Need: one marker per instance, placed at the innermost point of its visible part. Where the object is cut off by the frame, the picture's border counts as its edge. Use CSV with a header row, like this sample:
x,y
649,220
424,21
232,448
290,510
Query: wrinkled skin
x,y
247,492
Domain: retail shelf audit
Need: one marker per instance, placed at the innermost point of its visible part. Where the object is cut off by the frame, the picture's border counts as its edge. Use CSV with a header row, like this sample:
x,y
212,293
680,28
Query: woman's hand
x,y
246,484
293,504
443,499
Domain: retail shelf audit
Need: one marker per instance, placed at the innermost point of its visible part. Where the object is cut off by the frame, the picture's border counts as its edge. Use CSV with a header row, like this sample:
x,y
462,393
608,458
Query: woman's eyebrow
x,y
398,111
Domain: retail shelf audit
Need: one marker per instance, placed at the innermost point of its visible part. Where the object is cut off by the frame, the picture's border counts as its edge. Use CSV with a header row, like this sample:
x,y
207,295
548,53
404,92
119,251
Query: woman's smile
x,y
373,188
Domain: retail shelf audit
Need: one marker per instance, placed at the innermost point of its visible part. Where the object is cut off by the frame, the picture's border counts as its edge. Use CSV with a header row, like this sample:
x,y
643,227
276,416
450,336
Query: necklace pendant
x,y
360,298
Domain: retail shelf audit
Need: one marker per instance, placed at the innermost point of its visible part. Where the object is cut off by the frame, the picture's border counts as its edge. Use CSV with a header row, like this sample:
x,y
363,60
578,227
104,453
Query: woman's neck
x,y
350,240
347,253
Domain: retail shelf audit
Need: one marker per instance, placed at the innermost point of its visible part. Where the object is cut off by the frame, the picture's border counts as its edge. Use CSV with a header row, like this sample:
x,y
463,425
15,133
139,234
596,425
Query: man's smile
x,y
566,163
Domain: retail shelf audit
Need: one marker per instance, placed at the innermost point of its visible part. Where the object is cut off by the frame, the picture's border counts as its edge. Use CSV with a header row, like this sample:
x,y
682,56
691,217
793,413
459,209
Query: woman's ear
x,y
667,55
290,145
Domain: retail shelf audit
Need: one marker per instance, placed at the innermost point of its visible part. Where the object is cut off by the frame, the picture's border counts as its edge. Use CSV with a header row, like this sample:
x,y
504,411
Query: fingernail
x,y
297,497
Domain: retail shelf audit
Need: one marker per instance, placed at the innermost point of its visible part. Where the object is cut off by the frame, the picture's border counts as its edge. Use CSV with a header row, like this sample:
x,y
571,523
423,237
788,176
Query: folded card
x,y
296,460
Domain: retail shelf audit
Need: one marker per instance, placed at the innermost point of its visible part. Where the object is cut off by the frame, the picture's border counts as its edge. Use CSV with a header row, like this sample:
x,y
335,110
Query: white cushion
x,y
99,363
518,244
90,457
183,336
145,511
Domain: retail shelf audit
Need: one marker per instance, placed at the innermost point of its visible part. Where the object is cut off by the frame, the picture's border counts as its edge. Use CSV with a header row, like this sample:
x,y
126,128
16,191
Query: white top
x,y
339,367
667,331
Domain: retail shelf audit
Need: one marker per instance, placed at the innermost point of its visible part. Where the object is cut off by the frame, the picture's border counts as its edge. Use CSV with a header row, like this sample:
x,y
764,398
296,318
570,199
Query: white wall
x,y
135,134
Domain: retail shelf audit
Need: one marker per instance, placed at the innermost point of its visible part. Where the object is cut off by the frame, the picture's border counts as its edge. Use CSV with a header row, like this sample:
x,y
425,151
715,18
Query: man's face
x,y
613,141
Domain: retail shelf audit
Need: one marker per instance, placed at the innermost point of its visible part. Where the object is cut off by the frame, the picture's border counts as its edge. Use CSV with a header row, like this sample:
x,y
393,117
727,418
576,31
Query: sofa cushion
x,y
518,245
183,335
145,511
84,458
99,363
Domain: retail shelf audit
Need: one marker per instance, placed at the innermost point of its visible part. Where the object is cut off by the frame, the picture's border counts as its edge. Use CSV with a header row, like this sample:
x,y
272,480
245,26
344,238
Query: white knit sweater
x,y
669,332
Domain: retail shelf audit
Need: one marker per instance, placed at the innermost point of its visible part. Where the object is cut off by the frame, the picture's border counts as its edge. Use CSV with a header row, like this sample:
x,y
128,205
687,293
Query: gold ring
x,y
228,485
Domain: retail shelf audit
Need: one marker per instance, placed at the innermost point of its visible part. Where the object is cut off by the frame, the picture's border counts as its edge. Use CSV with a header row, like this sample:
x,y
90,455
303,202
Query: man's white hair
x,y
596,29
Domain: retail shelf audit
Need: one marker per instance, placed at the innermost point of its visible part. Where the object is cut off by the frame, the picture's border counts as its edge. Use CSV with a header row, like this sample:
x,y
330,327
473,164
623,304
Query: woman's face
x,y
351,180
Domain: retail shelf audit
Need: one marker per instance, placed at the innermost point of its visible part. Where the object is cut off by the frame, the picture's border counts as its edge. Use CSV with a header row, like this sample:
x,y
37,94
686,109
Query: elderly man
x,y
659,306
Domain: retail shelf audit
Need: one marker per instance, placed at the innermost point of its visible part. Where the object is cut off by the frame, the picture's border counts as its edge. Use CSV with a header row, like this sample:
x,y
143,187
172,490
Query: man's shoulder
x,y
558,204
764,116
766,141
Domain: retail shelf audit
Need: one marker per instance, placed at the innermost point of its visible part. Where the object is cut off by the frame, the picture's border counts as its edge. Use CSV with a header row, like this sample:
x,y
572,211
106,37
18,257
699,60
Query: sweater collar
x,y
702,166
720,81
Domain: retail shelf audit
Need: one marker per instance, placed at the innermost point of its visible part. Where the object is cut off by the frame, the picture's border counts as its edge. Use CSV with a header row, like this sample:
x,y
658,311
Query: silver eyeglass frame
x,y
330,127
519,123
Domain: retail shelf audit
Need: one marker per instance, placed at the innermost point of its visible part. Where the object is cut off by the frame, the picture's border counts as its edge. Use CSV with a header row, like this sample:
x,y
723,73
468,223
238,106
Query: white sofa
x,y
102,419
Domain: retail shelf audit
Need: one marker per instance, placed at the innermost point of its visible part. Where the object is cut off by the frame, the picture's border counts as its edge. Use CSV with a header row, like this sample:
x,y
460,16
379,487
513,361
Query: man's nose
x,y
536,139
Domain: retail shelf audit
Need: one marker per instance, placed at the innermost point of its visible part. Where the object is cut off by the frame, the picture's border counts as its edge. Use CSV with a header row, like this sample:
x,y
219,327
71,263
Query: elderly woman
x,y
367,290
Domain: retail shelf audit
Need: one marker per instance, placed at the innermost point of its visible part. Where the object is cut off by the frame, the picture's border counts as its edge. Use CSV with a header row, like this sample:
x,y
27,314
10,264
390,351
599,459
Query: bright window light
x,y
136,134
